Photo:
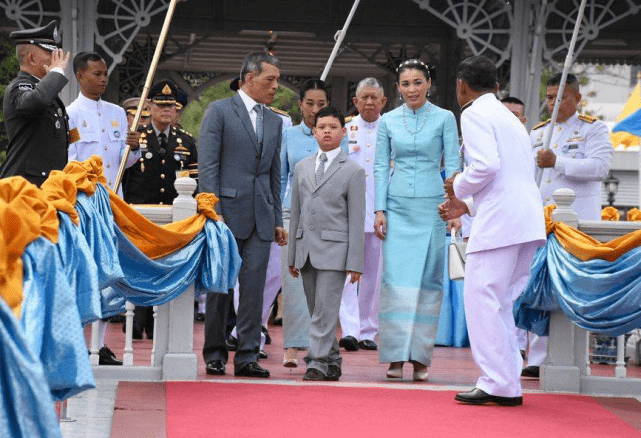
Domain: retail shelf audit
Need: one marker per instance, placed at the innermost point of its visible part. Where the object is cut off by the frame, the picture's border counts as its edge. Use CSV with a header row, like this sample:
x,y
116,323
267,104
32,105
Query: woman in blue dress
x,y
416,136
298,142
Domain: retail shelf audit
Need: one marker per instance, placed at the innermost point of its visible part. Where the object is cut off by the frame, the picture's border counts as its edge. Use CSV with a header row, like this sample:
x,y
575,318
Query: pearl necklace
x,y
429,107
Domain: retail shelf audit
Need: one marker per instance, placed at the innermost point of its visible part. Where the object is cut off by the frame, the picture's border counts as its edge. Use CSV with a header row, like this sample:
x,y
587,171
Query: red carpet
x,y
210,409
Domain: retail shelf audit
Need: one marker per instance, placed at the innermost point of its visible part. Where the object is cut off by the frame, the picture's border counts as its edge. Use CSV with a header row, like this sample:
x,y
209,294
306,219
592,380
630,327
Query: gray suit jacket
x,y
327,220
231,165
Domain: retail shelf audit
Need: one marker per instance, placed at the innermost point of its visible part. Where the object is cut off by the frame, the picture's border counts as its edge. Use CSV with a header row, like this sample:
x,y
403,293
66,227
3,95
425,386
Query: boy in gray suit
x,y
327,216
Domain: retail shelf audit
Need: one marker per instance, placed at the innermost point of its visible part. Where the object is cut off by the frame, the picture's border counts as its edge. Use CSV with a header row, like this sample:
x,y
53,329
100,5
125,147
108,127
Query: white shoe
x,y
395,370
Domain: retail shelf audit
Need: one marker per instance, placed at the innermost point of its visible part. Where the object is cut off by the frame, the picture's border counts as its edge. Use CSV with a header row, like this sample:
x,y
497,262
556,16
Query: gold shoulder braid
x,y
540,125
279,111
588,119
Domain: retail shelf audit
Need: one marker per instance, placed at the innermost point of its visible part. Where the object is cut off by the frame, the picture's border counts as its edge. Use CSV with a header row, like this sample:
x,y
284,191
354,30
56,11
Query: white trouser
x,y
272,286
538,350
359,305
491,277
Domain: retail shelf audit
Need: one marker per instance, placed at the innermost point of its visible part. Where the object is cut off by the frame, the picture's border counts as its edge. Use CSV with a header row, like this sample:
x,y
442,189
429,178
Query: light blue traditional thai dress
x,y
298,142
412,281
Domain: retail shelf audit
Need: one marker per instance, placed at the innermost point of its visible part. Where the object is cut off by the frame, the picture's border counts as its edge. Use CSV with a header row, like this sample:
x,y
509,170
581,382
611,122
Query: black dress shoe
x,y
349,343
314,375
333,373
107,357
262,354
215,368
199,317
531,371
479,397
252,369
278,321
232,343
117,319
268,339
368,345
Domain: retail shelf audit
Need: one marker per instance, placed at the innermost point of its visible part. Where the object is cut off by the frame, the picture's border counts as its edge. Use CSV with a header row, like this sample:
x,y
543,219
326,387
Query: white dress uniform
x,y
583,152
359,305
99,128
508,227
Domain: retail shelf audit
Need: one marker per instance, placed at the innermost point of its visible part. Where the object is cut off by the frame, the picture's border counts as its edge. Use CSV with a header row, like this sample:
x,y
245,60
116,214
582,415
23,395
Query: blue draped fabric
x,y
452,328
600,296
26,407
75,252
51,322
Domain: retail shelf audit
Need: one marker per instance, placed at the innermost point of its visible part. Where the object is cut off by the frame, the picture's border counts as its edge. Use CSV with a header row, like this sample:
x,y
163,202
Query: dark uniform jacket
x,y
37,126
151,179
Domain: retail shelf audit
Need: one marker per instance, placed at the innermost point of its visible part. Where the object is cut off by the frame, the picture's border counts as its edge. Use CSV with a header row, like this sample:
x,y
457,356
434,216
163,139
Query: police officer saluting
x,y
35,117
164,149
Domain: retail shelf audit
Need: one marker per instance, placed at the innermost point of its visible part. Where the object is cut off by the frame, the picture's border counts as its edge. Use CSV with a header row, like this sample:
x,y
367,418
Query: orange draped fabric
x,y
585,247
25,215
28,212
610,214
634,214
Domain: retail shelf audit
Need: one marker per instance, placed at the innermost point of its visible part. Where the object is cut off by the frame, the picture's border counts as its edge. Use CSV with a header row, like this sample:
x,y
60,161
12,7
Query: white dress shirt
x,y
330,157
102,131
250,104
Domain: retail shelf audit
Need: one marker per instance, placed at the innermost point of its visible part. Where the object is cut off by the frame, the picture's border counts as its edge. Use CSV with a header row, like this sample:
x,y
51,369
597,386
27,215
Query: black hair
x,y
313,84
514,100
479,72
570,81
412,64
81,60
253,63
330,111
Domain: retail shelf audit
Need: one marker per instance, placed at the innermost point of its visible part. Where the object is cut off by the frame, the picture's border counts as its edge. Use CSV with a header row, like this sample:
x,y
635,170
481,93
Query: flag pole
x,y
339,37
559,93
145,90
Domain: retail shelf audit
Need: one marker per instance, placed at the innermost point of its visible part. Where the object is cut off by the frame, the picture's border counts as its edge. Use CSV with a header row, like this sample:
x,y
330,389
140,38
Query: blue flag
x,y
631,124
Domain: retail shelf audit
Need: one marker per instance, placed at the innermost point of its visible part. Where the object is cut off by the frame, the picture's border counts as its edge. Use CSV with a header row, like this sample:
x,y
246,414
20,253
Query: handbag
x,y
456,257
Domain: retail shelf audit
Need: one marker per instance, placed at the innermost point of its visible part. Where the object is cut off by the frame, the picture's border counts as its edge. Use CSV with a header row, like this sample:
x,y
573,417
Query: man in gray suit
x,y
239,161
327,217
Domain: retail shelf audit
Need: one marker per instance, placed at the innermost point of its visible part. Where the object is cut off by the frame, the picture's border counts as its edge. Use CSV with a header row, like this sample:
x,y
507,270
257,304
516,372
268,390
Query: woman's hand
x,y
453,224
380,225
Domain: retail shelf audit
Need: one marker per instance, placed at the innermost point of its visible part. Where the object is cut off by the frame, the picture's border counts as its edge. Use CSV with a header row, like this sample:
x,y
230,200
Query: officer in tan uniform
x,y
578,159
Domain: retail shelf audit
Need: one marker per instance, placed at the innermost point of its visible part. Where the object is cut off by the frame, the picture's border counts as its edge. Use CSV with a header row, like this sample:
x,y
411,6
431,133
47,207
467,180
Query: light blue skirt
x,y
412,283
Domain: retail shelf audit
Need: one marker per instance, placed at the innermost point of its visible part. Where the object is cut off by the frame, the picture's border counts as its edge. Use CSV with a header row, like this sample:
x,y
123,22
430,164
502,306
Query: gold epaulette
x,y
540,125
185,132
349,119
588,119
279,111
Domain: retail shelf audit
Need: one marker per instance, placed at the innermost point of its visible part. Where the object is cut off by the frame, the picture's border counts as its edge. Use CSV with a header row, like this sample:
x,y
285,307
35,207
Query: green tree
x,y
285,100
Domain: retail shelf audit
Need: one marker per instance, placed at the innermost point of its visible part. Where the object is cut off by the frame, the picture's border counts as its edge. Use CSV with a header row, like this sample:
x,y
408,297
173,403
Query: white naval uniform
x,y
508,227
583,152
359,306
102,130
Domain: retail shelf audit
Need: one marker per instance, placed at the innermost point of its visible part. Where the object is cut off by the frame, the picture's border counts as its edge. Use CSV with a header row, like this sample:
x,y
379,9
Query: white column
x,y
180,362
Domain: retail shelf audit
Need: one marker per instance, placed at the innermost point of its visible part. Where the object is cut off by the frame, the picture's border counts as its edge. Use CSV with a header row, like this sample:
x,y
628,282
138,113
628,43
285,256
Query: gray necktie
x,y
321,167
259,122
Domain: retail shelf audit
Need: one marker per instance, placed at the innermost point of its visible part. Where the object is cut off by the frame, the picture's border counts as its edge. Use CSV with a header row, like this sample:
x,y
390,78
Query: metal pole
x,y
145,90
559,93
340,35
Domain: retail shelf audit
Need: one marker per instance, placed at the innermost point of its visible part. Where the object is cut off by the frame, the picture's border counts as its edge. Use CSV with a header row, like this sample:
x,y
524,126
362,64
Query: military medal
x,y
114,123
59,112
57,124
148,155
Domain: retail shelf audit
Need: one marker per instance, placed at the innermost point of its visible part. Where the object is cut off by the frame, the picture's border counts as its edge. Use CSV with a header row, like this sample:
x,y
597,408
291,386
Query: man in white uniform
x,y
98,128
359,305
578,159
499,190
